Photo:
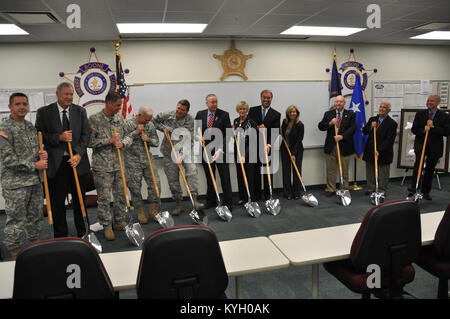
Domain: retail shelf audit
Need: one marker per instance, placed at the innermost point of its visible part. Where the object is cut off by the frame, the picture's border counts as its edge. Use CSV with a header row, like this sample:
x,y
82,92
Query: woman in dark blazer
x,y
293,131
246,133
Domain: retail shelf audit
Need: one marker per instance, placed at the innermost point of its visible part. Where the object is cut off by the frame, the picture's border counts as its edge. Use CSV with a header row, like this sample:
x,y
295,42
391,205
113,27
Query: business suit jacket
x,y
386,133
48,121
435,136
271,120
221,121
295,138
347,129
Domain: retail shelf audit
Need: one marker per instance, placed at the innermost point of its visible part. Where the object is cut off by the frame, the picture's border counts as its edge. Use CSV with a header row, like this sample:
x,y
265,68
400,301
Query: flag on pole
x,y
122,87
357,106
335,85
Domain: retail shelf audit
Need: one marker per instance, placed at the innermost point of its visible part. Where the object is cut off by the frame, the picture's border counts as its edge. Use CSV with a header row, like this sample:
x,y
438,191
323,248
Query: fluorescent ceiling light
x,y
434,35
33,17
160,27
11,29
328,31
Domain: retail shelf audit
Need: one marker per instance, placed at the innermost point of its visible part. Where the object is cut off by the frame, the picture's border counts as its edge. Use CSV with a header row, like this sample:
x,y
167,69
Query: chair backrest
x,y
180,263
442,236
389,236
62,268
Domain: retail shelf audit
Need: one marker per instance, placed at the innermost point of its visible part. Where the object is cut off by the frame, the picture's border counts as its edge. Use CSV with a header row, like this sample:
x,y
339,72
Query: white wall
x,y
38,65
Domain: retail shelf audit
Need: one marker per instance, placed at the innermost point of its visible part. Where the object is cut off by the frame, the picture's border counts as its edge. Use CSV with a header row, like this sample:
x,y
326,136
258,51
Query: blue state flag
x,y
357,106
335,85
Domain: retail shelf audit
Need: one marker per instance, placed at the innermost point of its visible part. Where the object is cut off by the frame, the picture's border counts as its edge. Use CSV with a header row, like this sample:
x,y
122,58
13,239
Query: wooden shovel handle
x,y
151,170
338,150
242,164
422,155
290,156
77,182
207,160
375,150
47,194
267,157
124,182
180,167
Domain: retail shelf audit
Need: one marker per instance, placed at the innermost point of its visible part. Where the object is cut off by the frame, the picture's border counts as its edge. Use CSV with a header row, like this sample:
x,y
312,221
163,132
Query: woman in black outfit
x,y
245,129
293,130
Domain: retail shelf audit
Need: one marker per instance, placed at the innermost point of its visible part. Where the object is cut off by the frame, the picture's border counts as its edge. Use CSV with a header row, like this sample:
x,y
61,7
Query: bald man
x,y
436,122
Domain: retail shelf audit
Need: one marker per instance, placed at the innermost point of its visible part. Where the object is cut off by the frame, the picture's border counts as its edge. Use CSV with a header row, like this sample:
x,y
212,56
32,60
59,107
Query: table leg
x,y
238,282
315,281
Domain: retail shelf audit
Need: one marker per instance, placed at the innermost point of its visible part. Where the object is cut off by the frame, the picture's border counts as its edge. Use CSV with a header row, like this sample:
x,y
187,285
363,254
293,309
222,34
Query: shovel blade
x,y
165,219
253,209
224,213
135,234
417,197
199,217
377,198
344,197
310,199
273,206
93,240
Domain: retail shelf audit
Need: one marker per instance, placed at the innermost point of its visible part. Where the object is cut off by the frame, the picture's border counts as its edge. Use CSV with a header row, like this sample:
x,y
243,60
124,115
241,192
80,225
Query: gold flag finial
x,y
117,45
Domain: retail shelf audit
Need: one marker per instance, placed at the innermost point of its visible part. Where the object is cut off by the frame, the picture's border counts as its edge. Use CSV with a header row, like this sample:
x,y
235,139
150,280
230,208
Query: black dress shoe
x,y
329,194
209,205
427,196
367,193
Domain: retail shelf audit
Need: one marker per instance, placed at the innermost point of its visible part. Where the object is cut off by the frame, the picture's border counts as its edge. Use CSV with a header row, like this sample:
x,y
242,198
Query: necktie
x,y
430,115
339,120
378,123
264,114
211,120
65,121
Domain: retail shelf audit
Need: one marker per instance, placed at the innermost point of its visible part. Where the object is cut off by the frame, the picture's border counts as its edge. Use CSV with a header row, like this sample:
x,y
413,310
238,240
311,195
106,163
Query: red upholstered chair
x,y
390,237
62,268
182,262
435,258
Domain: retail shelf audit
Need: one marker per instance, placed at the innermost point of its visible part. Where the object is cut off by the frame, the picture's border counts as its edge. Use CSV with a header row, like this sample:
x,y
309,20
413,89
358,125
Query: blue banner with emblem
x,y
357,106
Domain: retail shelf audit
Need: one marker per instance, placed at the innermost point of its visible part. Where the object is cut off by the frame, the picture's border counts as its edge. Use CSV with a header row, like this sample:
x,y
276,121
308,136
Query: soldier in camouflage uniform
x,y
105,163
20,162
175,122
136,161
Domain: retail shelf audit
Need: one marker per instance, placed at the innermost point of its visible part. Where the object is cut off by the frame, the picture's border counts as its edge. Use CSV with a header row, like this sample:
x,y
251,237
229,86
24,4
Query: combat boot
x,y
141,216
14,253
34,241
120,226
178,209
109,233
197,204
153,211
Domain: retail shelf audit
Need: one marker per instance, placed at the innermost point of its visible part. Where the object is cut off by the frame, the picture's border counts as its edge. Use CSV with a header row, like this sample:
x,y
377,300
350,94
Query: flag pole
x,y
355,186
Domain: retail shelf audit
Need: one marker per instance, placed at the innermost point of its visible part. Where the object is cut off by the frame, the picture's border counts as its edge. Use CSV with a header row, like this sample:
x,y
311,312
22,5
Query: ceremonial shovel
x,y
273,205
89,236
252,208
342,194
164,218
133,231
418,196
308,198
199,217
47,194
221,210
376,197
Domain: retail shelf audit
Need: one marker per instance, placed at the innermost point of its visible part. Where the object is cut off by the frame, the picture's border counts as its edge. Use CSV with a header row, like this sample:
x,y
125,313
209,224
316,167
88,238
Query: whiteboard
x,y
311,97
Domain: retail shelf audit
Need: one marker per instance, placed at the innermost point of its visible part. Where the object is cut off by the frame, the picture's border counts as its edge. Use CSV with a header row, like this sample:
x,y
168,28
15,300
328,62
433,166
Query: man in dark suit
x,y
265,117
346,124
436,122
63,122
386,132
213,119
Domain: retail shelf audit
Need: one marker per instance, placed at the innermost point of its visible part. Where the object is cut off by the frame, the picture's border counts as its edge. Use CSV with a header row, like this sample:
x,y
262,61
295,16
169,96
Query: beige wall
x,y
38,66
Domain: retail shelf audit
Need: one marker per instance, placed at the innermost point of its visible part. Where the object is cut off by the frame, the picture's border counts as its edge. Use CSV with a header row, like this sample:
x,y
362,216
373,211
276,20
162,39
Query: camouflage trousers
x,y
108,183
173,176
23,207
134,182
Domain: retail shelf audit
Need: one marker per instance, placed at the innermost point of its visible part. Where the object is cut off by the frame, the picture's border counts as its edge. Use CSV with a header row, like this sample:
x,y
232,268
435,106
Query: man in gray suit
x,y
60,123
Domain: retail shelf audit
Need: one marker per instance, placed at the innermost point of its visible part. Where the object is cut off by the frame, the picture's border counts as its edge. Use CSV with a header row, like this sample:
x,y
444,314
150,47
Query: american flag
x,y
122,87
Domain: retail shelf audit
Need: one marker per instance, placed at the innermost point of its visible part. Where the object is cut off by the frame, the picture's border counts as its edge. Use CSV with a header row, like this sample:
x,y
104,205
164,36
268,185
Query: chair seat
x,y
430,261
344,271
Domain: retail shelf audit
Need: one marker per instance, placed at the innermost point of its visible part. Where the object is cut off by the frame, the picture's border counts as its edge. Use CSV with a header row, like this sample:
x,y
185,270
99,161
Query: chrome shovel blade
x,y
93,240
165,219
199,217
135,234
253,209
417,197
310,199
224,213
377,198
273,206
344,197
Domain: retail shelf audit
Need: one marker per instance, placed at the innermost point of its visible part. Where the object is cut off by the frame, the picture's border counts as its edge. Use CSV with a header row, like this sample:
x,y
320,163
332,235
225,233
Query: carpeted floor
x,y
292,282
